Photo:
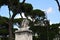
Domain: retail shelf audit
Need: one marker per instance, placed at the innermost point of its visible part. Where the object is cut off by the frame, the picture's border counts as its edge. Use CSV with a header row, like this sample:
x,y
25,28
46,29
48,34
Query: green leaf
x,y
27,7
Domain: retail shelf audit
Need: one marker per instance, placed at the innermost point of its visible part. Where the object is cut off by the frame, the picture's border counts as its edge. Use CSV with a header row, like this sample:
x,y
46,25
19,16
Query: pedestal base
x,y
23,34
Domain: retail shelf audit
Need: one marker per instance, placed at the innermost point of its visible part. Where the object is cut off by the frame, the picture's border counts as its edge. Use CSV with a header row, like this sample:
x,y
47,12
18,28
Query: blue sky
x,y
49,6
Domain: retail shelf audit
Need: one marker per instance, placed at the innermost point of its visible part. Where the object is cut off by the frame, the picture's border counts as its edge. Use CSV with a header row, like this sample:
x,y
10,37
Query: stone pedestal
x,y
23,34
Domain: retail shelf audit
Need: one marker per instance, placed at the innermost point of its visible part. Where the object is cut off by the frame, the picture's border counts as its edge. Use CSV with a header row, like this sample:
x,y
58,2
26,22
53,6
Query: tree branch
x,y
58,4
23,1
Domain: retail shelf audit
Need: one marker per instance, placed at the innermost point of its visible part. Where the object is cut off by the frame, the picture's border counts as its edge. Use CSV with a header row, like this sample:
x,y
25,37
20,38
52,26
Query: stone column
x,y
23,34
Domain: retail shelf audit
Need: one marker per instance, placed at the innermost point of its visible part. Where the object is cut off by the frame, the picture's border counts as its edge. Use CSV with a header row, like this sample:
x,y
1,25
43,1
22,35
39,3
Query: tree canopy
x,y
38,21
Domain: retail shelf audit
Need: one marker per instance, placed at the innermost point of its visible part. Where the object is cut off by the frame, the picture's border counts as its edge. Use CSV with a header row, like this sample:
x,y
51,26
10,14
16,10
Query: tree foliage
x,y
38,22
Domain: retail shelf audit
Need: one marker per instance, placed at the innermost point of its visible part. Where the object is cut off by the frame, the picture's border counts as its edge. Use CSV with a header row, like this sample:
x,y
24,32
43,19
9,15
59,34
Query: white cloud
x,y
49,10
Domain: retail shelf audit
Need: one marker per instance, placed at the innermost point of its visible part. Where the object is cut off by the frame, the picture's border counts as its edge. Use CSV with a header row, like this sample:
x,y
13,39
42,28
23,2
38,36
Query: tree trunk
x,y
10,31
11,23
10,27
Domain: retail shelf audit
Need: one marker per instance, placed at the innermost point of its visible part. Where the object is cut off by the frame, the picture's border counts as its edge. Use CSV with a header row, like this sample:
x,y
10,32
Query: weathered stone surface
x,y
23,34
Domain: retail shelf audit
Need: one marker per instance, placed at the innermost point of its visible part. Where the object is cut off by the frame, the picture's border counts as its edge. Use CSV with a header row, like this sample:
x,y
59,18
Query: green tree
x,y
53,30
11,5
4,27
38,23
38,19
